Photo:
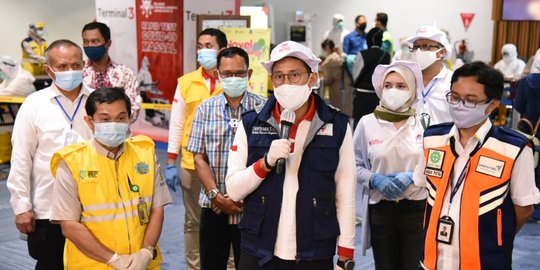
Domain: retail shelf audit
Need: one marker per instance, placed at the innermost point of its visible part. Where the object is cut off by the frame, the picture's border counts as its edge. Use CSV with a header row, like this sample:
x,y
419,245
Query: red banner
x,y
467,18
159,39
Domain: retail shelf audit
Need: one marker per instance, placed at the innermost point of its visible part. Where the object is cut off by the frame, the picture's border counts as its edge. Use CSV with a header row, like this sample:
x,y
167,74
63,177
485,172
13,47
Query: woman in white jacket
x,y
388,145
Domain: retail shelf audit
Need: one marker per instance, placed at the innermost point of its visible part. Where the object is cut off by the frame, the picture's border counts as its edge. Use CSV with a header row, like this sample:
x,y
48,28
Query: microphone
x,y
287,120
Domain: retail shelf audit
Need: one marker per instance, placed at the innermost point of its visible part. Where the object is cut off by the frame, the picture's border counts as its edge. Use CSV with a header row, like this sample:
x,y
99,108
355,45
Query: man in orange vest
x,y
479,178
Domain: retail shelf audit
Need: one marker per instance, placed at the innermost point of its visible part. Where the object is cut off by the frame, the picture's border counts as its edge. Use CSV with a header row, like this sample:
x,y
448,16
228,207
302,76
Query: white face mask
x,y
394,98
467,117
425,58
291,96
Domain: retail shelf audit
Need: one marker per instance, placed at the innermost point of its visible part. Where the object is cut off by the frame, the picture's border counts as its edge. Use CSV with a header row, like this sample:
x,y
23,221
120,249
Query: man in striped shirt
x,y
212,134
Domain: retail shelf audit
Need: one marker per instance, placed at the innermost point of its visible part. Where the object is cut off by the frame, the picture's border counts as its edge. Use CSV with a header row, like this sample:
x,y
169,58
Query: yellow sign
x,y
256,42
9,99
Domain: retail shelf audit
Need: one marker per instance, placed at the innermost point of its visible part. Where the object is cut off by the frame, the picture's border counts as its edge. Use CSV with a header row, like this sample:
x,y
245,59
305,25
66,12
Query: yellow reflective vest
x,y
193,89
29,60
110,192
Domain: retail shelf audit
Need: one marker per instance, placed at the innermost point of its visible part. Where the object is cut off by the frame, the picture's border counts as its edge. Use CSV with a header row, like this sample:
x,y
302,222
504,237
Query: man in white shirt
x,y
295,214
47,121
429,47
480,179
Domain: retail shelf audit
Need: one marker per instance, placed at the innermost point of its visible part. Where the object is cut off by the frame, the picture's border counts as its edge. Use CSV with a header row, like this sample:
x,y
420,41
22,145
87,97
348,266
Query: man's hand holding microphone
x,y
280,149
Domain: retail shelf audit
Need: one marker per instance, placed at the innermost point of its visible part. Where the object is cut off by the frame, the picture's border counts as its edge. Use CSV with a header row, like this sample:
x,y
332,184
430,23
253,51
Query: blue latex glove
x,y
386,186
403,180
171,177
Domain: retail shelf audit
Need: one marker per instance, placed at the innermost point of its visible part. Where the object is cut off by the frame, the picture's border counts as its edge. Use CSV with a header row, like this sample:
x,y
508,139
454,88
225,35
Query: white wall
x,y
405,16
63,19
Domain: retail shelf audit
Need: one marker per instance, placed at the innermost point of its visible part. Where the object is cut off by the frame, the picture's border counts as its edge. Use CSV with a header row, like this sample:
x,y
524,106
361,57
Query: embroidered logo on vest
x,y
142,168
263,131
490,166
84,174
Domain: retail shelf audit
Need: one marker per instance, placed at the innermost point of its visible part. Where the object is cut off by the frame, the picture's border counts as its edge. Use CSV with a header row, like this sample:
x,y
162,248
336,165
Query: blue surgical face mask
x,y
234,86
95,53
68,80
207,58
111,134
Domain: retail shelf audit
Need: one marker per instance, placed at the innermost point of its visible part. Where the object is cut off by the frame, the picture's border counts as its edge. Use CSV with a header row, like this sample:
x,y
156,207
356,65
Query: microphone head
x,y
288,116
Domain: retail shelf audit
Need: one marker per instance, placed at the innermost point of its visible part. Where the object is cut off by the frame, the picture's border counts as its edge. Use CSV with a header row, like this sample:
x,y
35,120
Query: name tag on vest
x,y
263,131
326,130
490,166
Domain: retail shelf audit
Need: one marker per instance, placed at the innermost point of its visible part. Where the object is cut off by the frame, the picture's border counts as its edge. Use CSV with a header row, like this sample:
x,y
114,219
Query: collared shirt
x,y
433,99
242,180
523,191
41,128
66,204
354,42
116,75
212,134
382,148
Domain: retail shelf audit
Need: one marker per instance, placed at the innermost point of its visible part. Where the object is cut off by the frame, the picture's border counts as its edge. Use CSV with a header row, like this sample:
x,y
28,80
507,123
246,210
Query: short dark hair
x,y
218,34
358,17
103,29
328,43
374,37
382,18
60,43
492,79
230,52
106,95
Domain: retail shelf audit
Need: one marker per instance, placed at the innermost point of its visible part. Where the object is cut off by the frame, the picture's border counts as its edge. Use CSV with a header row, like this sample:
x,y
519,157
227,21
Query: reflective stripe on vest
x,y
109,206
491,168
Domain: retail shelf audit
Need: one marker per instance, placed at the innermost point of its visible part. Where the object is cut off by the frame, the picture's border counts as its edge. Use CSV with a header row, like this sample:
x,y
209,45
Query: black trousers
x,y
250,262
46,245
396,233
216,237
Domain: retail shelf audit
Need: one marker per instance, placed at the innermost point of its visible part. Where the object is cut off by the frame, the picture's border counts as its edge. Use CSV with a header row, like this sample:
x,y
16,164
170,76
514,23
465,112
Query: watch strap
x,y
152,250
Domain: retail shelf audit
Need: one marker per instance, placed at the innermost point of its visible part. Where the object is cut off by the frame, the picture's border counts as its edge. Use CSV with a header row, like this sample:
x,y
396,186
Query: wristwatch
x,y
347,264
212,194
152,250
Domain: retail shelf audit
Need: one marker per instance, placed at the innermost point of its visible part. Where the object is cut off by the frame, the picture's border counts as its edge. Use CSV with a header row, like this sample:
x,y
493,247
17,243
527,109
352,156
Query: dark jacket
x,y
317,226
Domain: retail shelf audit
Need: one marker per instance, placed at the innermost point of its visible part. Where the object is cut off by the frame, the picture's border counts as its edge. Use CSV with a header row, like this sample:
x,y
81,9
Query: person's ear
x,y
250,71
494,104
216,74
89,122
441,53
49,71
108,44
314,79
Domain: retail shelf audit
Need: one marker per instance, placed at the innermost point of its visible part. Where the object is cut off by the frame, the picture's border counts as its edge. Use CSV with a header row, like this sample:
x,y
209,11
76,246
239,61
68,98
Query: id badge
x,y
71,138
445,230
143,212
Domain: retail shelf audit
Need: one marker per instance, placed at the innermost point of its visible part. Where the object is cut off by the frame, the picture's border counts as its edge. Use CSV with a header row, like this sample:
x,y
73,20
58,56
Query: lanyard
x,y
431,85
66,114
455,189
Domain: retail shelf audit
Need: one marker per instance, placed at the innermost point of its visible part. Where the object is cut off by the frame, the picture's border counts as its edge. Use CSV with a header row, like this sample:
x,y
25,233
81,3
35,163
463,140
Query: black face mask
x,y
362,27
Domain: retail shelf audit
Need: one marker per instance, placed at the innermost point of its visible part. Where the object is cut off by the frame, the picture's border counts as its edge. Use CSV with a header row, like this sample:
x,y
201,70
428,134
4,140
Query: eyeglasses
x,y
241,74
454,99
423,47
294,77
122,119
